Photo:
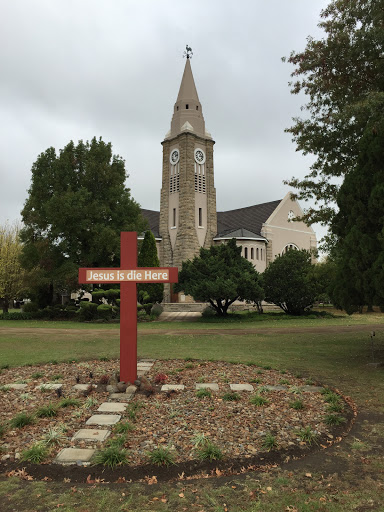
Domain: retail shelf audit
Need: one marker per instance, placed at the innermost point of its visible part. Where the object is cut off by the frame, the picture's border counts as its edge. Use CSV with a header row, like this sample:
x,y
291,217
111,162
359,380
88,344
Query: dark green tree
x,y
220,275
342,75
150,292
359,228
288,282
76,208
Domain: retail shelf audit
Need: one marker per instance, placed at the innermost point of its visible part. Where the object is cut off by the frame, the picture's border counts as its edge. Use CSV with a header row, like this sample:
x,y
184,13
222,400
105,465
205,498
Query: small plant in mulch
x,y
199,439
3,429
161,456
258,400
284,382
37,375
335,407
111,457
103,358
22,420
307,435
69,402
203,392
36,454
331,398
5,388
123,427
209,451
132,410
309,382
118,441
231,397
90,402
104,380
54,436
57,377
189,366
46,411
297,405
334,420
269,442
295,390
255,381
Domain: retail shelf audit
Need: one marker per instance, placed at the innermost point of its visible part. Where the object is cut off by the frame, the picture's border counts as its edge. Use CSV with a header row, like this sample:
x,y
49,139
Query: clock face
x,y
199,156
174,157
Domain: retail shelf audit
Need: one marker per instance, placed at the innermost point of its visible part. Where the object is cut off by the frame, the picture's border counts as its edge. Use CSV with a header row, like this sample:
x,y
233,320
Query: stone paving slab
x,y
121,396
91,434
74,455
208,385
172,387
49,386
241,387
275,388
111,407
103,419
17,386
82,387
312,389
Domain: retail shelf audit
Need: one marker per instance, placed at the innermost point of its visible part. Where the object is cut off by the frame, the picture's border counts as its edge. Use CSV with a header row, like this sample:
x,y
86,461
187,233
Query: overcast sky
x,y
74,69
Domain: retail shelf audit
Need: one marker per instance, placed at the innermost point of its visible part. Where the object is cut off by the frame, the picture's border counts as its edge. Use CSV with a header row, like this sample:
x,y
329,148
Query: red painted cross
x,y
128,275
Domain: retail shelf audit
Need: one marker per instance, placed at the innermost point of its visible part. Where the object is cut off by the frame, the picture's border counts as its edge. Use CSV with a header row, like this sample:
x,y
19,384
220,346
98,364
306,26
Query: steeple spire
x,y
187,112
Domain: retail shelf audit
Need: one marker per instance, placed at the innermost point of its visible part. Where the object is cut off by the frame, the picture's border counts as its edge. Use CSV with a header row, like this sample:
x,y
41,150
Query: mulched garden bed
x,y
178,421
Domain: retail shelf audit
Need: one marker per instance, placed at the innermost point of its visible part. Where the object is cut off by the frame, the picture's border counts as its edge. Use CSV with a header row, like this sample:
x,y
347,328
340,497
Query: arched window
x,y
290,247
261,254
252,254
246,253
257,253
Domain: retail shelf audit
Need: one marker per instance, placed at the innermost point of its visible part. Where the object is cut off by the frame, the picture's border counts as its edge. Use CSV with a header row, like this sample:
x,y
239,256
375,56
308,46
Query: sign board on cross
x,y
128,275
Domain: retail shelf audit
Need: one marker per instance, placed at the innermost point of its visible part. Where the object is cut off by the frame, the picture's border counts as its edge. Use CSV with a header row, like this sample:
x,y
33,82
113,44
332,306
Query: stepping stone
x,y
172,387
111,407
17,386
144,365
49,386
74,455
121,396
103,419
276,388
312,389
82,387
241,387
208,385
90,434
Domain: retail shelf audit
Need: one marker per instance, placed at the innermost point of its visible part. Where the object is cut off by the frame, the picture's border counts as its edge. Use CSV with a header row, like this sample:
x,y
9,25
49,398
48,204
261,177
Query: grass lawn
x,y
348,476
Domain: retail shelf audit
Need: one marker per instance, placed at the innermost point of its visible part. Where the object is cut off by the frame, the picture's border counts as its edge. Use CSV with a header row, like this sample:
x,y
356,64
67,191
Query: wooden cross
x,y
128,275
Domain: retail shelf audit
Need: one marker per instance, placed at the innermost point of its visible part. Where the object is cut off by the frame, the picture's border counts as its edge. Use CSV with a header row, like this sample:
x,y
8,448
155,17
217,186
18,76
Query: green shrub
x,y
161,456
36,454
46,411
307,435
104,311
231,397
258,400
123,427
156,310
30,307
297,405
111,457
69,402
21,420
203,392
208,312
209,451
334,420
269,442
87,311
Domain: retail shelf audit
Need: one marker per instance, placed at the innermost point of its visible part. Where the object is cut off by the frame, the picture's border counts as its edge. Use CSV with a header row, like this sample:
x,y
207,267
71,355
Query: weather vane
x,y
188,52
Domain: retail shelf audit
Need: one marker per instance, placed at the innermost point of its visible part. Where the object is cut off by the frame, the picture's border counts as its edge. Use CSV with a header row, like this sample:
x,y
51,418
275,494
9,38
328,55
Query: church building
x,y
188,218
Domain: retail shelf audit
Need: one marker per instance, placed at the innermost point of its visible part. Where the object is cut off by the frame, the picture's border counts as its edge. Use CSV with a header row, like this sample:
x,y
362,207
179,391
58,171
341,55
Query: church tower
x,y
188,218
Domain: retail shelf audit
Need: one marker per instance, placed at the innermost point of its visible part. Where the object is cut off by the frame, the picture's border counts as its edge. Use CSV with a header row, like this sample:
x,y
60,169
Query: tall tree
x,y
77,206
343,76
150,292
289,282
359,227
12,275
220,275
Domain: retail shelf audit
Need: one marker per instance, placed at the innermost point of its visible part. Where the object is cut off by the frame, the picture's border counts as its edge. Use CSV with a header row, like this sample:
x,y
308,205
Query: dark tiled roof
x,y
153,219
250,218
239,233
